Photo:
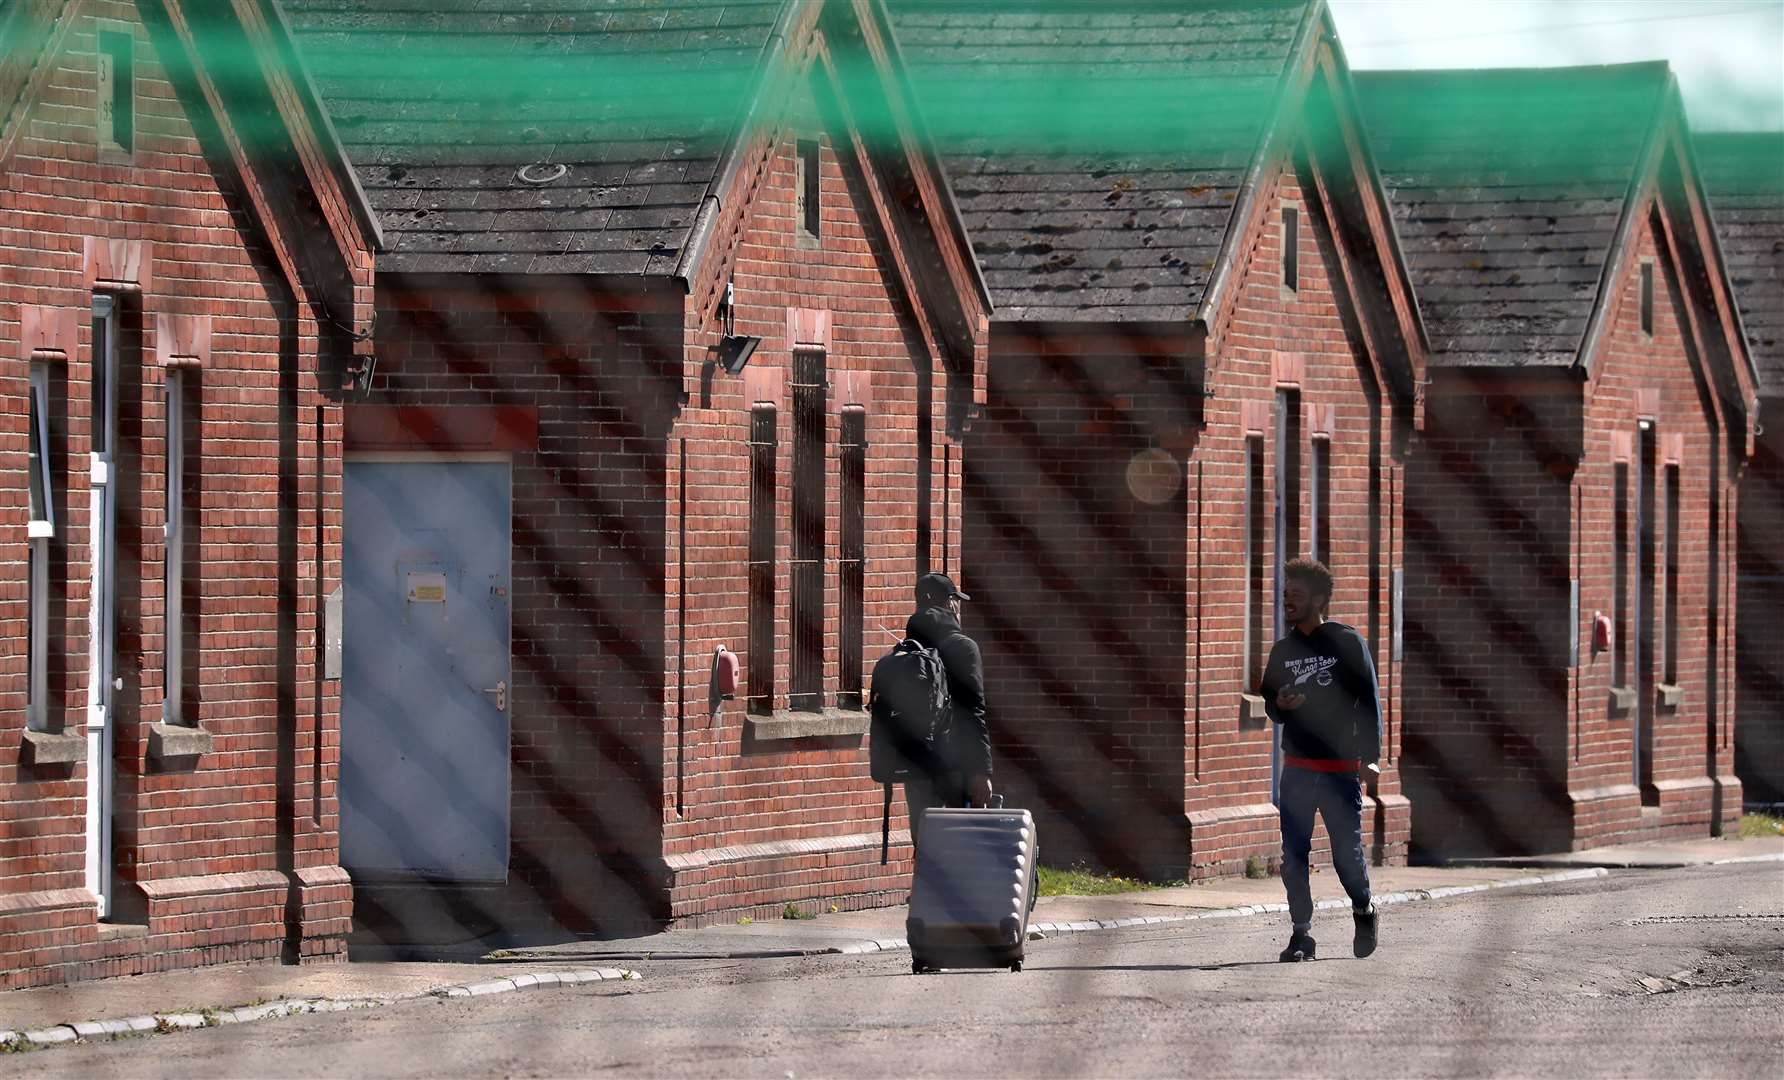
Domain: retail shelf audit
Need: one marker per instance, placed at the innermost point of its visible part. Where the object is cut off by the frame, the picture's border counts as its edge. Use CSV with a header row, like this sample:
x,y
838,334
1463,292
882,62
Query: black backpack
x,y
908,706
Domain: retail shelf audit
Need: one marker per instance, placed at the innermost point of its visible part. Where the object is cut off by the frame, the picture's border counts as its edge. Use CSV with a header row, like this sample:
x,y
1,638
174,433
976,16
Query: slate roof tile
x,y
1507,187
1096,151
1743,175
439,103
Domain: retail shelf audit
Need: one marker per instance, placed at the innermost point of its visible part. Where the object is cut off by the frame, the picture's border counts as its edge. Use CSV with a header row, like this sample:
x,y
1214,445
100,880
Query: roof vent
x,y
541,172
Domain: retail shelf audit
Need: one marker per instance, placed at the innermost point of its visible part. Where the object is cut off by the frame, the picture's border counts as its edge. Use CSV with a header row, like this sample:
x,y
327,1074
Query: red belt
x,y
1312,764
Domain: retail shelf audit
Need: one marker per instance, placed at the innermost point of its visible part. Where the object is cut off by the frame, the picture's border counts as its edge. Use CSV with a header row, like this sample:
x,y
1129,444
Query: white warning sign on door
x,y
426,587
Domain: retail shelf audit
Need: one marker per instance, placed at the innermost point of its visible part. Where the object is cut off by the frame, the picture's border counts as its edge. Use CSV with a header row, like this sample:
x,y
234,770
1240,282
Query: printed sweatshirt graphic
x,y
1332,669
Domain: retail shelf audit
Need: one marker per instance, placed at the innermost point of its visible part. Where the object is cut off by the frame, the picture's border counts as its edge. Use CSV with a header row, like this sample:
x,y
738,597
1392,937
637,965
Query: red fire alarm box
x,y
1601,632
726,674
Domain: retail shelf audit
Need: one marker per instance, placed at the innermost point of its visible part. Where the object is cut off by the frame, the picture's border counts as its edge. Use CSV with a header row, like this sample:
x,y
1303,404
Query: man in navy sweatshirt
x,y
1320,686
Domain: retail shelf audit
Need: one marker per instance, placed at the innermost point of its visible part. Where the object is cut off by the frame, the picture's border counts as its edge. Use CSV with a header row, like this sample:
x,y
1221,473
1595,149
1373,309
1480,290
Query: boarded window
x,y
1670,663
1288,491
763,445
1291,247
1646,621
852,562
807,682
1257,580
811,187
117,90
1620,597
1648,298
1319,529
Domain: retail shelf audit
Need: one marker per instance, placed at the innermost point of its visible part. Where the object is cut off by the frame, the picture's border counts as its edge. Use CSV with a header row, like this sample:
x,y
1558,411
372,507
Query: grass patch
x,y
1079,881
1754,826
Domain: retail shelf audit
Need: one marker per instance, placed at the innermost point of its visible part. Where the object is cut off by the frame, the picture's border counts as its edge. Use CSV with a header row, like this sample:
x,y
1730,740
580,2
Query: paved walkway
x,y
243,992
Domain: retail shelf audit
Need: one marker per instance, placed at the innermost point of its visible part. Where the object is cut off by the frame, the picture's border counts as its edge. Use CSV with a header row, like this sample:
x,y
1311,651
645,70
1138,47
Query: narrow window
x,y
851,568
1620,595
1257,581
173,604
1291,247
1288,491
117,90
811,188
1670,661
805,689
41,532
763,446
1319,530
1646,623
1648,299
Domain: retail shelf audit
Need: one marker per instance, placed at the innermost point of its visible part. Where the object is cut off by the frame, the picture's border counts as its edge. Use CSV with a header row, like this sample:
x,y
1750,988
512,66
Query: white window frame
x,y
173,536
40,532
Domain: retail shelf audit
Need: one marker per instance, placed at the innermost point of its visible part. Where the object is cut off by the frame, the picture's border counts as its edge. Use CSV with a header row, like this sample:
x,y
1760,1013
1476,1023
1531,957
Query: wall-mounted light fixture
x,y
359,376
734,350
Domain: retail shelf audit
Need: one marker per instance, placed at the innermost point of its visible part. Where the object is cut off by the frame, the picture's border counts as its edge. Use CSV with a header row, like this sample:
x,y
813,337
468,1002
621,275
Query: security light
x,y
735,351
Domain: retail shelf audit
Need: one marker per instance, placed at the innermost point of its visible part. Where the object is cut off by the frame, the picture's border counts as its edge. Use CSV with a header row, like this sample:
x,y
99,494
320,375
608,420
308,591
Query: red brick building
x,y
1204,360
1570,508
1745,177
183,269
562,499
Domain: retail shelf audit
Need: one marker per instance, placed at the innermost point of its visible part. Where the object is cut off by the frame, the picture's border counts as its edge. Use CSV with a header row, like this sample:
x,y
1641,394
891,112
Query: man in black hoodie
x,y
1320,686
963,770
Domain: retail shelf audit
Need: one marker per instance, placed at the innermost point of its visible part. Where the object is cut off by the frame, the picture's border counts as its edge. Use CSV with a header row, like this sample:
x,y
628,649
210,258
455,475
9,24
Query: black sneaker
x,y
1300,947
1364,942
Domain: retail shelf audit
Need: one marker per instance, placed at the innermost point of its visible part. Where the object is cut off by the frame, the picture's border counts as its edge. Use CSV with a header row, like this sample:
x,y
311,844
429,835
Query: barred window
x,y
852,561
807,682
764,442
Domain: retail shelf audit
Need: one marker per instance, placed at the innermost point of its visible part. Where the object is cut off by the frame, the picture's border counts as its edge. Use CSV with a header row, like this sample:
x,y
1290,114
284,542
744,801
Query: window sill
x,y
828,724
1252,713
178,741
1622,700
54,747
1667,696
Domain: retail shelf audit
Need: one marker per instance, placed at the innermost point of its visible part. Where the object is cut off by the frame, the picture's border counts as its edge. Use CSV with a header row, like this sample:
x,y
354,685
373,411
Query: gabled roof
x,y
441,103
1098,152
1744,175
286,167
1509,189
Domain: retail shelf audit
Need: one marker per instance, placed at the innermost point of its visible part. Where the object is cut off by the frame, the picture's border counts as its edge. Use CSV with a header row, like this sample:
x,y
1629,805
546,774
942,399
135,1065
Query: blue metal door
x,y
425,670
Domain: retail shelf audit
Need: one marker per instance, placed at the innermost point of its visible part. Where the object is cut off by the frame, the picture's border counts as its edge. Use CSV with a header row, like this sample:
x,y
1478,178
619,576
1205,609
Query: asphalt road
x,y
1525,982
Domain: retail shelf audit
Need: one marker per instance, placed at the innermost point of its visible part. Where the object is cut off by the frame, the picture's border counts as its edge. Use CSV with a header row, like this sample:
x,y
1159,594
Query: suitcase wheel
x,y
1015,965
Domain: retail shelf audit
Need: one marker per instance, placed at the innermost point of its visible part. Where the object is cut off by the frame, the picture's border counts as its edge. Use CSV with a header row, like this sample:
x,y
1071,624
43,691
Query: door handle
x,y
500,690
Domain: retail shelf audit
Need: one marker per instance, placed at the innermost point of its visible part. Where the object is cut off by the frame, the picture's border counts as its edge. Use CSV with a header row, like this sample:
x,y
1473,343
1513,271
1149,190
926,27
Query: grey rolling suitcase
x,y
973,888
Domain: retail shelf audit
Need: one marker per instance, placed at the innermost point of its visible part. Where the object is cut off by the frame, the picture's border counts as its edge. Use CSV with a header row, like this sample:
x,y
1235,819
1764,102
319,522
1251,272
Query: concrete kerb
x,y
164,1023
875,945
133,1026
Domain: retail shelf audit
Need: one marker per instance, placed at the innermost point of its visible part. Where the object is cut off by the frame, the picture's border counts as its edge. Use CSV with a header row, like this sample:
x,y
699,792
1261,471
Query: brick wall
x,y
230,855
1488,528
1511,497
1306,339
1080,587
1759,725
754,818
1116,660
596,361
1641,374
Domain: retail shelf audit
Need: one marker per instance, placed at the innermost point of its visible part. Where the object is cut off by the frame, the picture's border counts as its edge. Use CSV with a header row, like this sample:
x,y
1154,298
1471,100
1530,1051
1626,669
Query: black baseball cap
x,y
938,587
